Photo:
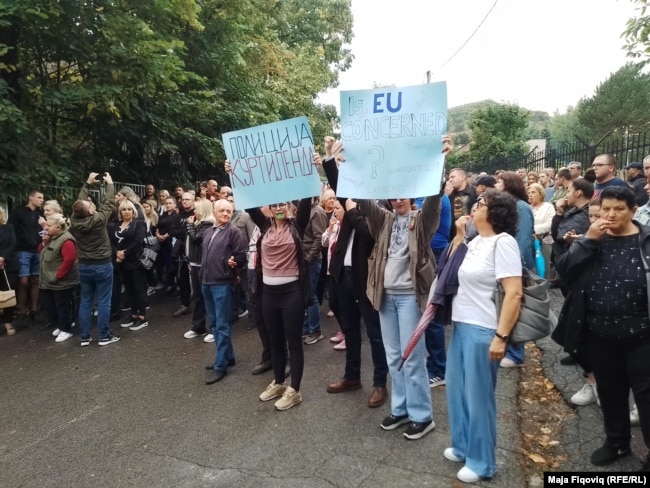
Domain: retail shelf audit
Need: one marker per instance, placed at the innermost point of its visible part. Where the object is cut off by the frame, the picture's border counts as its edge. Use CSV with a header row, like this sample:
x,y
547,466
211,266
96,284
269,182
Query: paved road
x,y
137,413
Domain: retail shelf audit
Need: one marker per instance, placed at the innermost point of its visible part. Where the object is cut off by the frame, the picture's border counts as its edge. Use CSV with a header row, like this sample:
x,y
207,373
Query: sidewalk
x,y
584,433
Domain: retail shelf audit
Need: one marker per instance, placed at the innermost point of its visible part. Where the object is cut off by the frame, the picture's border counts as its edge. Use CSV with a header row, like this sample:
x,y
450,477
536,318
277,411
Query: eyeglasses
x,y
277,205
481,203
229,194
596,165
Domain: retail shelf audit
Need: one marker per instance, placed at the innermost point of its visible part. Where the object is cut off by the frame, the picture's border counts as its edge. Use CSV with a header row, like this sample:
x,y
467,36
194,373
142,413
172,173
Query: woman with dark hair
x,y
479,338
168,230
512,183
606,309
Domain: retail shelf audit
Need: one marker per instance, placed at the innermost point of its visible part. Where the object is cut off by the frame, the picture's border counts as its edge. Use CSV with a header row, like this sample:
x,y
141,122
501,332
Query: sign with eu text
x,y
393,141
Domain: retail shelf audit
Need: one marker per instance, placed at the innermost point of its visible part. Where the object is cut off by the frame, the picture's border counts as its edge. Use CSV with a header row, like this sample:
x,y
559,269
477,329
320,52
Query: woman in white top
x,y
543,213
478,342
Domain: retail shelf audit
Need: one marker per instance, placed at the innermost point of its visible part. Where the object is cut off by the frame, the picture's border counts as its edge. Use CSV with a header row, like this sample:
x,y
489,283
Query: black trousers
x,y
197,302
184,287
617,368
352,311
135,280
58,305
284,311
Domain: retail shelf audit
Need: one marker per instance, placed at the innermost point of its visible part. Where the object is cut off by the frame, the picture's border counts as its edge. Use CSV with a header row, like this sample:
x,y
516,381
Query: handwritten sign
x,y
393,141
272,163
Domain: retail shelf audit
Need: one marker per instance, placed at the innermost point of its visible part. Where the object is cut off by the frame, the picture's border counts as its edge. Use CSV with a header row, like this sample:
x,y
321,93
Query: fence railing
x,y
625,148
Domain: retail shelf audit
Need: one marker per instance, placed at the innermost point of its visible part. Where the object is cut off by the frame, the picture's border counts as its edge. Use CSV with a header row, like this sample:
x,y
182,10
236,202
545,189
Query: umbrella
x,y
427,316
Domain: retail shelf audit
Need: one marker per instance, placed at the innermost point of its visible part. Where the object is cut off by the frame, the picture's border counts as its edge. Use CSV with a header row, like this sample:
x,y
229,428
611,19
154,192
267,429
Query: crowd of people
x,y
376,262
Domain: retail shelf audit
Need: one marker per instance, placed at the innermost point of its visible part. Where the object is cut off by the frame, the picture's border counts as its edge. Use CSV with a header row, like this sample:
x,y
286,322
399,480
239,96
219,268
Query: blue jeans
x,y
218,302
434,339
29,264
471,403
410,394
95,279
515,351
311,324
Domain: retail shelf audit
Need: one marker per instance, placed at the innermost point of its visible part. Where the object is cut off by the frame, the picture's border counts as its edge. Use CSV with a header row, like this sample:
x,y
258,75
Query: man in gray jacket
x,y
88,226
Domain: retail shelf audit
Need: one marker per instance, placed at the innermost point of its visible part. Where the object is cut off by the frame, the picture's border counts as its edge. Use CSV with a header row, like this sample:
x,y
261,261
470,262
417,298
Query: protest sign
x,y
272,163
393,141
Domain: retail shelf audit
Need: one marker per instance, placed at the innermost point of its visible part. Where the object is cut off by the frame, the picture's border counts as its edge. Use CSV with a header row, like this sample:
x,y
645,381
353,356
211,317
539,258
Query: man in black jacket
x,y
349,270
26,221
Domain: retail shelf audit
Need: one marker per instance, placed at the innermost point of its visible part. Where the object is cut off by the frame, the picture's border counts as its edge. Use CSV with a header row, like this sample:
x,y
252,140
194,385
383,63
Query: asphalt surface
x,y
138,413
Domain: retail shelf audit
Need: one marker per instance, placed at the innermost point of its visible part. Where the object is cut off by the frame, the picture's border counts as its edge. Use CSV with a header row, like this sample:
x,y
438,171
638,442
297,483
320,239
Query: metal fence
x,y
626,149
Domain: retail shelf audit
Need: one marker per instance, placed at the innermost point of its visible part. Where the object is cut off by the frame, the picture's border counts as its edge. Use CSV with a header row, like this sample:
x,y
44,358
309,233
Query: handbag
x,y
8,297
148,258
152,243
536,319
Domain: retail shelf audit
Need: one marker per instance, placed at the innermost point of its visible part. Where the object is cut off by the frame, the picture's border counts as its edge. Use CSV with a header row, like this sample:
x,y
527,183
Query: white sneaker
x,y
190,334
56,332
449,454
63,336
466,475
509,363
586,396
273,391
208,338
634,415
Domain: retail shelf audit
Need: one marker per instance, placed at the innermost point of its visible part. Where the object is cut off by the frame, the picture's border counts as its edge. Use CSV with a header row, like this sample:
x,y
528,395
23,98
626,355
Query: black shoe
x,y
115,316
214,376
181,311
417,430
46,326
393,422
608,454
568,360
262,367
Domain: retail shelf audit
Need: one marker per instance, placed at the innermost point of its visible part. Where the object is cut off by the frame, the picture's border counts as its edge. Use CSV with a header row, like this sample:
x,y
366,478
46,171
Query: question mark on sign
x,y
378,153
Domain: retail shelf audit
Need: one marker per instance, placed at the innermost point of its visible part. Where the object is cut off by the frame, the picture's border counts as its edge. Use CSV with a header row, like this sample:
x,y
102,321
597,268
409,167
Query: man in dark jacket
x,y
26,221
636,180
224,249
349,270
88,226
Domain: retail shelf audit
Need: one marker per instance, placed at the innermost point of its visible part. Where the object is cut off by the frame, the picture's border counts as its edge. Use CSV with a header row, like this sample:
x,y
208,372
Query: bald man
x,y
224,249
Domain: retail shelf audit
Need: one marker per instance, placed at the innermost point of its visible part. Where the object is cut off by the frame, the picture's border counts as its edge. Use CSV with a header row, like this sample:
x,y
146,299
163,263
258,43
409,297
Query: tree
x,y
637,33
620,103
145,89
497,132
565,127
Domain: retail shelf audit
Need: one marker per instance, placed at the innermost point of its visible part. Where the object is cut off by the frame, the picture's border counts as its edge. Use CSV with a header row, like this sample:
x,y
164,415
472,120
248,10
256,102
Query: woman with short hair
x,y
479,338
59,275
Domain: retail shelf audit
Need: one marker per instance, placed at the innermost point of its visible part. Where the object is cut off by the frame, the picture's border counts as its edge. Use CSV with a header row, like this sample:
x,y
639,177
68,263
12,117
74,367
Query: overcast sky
x,y
540,54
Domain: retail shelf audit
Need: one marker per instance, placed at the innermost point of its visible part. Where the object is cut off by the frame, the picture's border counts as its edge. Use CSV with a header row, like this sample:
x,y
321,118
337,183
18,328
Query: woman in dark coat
x,y
8,265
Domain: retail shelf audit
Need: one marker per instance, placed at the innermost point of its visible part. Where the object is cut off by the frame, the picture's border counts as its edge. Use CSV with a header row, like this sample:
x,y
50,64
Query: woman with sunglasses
x,y
479,337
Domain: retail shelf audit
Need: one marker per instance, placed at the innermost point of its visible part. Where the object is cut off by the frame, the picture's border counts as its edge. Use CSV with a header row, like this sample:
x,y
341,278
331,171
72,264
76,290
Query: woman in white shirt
x,y
479,339
543,213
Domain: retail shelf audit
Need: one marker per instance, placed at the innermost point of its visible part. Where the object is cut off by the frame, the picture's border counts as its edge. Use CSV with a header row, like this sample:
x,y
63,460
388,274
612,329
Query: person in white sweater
x,y
543,213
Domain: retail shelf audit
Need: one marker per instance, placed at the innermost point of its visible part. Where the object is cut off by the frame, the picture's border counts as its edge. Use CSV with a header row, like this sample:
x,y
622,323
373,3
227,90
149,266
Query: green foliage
x,y
637,33
564,128
497,132
145,89
620,103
